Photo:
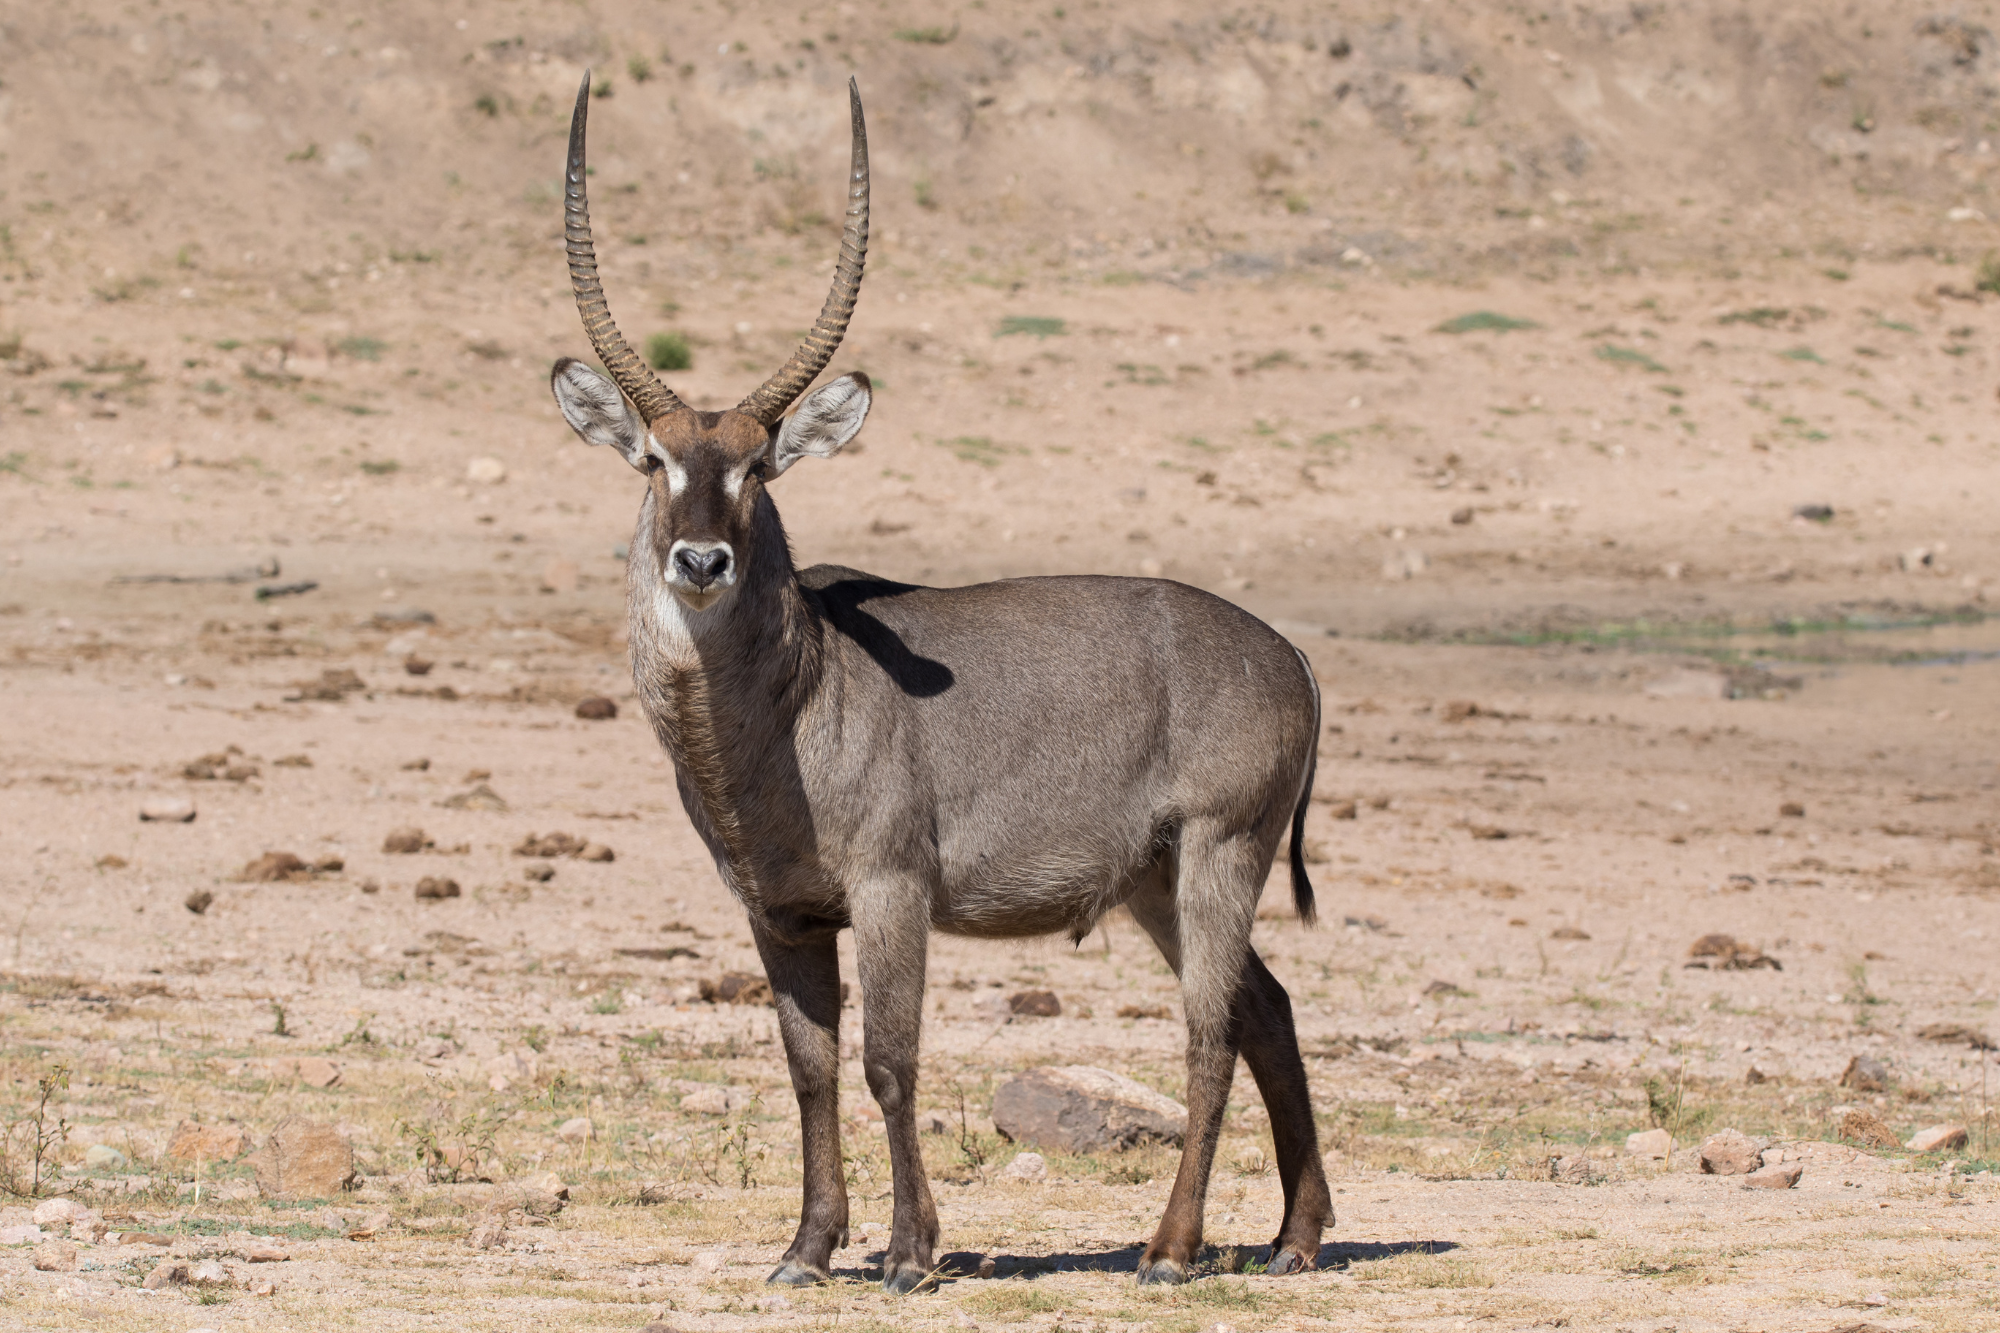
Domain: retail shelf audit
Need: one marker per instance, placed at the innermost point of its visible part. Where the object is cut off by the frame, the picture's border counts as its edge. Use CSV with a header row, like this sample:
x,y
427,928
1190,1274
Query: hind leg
x,y
1202,927
1270,1047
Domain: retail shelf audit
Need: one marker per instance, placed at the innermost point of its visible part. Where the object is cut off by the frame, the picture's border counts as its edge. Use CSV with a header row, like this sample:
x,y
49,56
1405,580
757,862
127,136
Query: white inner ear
x,y
824,423
597,412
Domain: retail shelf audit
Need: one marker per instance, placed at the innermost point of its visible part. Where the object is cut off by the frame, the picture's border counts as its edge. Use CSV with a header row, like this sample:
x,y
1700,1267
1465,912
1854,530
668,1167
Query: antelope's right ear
x,y
830,416
597,412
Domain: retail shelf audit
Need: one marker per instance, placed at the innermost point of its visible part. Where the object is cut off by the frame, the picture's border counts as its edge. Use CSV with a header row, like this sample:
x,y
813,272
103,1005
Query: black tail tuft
x,y
1302,887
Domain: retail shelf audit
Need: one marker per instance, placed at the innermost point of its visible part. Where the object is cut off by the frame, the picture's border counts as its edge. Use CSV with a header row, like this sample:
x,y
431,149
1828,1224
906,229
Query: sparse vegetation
x,y
1628,356
669,351
1037,326
931,36
1486,321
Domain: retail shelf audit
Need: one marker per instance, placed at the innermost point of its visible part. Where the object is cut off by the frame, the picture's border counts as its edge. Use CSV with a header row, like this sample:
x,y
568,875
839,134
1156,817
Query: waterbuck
x,y
1002,760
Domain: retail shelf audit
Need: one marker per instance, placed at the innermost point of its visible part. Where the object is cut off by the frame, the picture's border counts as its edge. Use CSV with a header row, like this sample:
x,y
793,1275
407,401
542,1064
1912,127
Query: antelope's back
x,y
1051,727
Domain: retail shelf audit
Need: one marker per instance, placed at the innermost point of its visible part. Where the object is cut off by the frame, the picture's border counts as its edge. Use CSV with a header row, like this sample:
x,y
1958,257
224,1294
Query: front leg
x,y
891,943
803,965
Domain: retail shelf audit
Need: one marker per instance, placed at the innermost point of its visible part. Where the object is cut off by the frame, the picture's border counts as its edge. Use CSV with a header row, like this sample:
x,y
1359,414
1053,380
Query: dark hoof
x,y
792,1273
903,1279
1162,1273
1287,1261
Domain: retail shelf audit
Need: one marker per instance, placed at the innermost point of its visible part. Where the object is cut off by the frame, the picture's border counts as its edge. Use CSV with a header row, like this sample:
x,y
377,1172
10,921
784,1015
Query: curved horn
x,y
777,393
653,399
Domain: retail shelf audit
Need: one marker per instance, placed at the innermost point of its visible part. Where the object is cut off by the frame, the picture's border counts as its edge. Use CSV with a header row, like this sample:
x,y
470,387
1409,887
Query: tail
x,y
1302,888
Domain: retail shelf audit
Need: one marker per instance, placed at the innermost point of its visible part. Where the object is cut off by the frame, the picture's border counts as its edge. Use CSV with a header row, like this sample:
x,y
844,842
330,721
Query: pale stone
x,y
1728,1153
576,1130
1079,1108
1654,1143
171,1273
304,1159
103,1157
58,1212
1778,1176
1026,1166
167,810
55,1256
486,471
1938,1138
211,1273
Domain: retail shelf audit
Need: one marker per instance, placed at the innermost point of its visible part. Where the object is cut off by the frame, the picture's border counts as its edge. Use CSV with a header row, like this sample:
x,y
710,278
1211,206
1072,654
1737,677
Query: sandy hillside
x,y
1601,396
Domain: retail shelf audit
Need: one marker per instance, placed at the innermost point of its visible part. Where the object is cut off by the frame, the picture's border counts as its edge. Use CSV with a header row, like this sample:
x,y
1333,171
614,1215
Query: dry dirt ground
x,y
1489,352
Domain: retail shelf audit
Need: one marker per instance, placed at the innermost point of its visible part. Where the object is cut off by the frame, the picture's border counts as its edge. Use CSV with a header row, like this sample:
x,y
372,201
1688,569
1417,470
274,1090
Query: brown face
x,y
707,476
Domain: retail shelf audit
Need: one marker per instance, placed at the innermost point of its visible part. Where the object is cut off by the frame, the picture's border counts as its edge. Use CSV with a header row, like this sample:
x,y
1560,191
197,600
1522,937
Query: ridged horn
x,y
653,399
778,392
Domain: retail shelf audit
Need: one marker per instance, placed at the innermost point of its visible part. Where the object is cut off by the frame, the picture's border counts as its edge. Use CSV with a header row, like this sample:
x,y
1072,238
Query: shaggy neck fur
x,y
724,686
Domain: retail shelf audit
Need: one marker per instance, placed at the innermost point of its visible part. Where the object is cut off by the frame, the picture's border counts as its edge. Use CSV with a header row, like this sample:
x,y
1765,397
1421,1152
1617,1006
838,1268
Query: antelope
x,y
1003,760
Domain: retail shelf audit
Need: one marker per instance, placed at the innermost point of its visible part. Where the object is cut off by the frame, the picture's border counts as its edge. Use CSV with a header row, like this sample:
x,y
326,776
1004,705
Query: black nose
x,y
701,568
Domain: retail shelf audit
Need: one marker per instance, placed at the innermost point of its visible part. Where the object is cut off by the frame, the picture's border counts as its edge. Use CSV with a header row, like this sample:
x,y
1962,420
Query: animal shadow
x,y
917,676
962,1264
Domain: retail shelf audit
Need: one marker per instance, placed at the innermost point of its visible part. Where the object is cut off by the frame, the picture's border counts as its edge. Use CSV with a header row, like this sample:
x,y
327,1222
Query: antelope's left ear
x,y
828,418
597,412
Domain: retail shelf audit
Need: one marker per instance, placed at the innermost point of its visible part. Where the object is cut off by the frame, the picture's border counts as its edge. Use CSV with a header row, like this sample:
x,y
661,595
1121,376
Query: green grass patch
x,y
1763,316
980,449
361,347
1989,273
1486,321
1803,354
381,467
931,36
1629,356
1038,326
669,351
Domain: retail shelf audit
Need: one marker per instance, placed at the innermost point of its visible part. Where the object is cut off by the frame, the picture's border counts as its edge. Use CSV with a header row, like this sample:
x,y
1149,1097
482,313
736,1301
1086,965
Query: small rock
x,y
406,840
1462,515
538,872
1777,1176
596,708
316,1071
561,576
481,797
417,666
488,1235
1657,1144
1344,810
21,1235
1079,1108
267,1254
1814,513
486,471
171,1273
272,867
987,1266
1791,810
437,886
1404,564
1753,1076
596,851
1938,1138
1690,685
205,1143
55,1256
1729,1153
1866,1128
553,844
1445,990
369,884
540,1193
1144,1011
576,1130
1026,1166
263,1288
711,1261
167,810
1864,1073
1726,953
1568,933
1034,1004
736,988
303,1159
58,1212
210,1273
103,1157
198,901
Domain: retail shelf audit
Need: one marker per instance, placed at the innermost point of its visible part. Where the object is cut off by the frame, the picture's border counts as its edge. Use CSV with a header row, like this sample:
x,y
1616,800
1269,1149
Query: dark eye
x,y
761,471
